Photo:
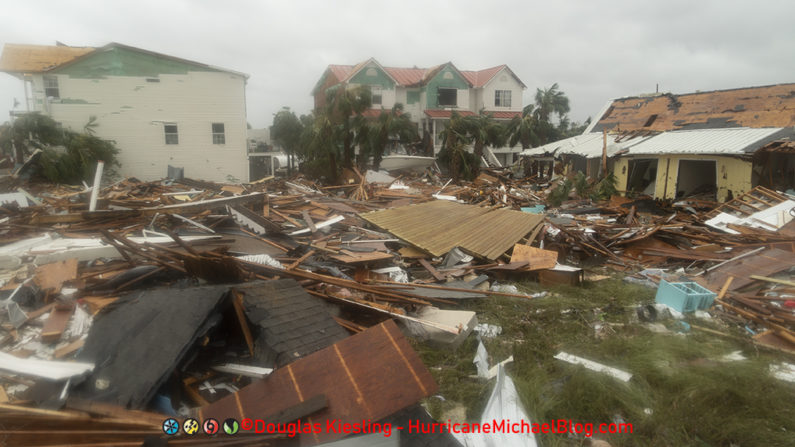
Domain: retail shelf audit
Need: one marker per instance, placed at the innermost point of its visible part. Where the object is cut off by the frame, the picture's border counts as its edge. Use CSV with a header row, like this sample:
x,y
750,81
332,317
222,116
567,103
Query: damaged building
x,y
712,145
160,110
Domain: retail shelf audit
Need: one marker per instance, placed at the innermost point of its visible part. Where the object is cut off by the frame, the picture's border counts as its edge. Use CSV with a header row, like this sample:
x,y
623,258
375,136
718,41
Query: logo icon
x,y
231,426
170,426
210,426
191,426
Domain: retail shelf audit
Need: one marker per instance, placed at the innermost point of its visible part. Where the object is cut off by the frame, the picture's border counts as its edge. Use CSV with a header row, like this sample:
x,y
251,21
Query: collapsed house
x,y
711,145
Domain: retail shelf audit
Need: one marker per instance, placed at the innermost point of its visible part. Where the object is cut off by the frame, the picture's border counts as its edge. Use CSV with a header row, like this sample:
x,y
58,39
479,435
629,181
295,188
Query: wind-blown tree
x,y
483,130
534,126
286,131
67,156
522,128
551,100
344,107
455,138
319,147
390,124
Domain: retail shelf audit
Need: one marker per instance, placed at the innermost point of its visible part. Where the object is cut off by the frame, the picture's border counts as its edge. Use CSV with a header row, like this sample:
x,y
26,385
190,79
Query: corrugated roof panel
x,y
588,145
708,141
439,226
406,76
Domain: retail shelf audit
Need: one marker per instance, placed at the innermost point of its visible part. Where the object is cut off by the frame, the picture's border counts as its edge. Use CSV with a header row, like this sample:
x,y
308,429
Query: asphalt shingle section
x,y
290,322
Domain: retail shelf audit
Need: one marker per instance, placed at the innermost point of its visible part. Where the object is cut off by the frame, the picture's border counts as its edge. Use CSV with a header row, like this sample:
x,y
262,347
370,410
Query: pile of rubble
x,y
278,299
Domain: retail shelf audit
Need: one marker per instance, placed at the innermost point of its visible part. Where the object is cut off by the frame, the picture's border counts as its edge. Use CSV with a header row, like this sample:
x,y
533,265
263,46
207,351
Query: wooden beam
x,y
240,311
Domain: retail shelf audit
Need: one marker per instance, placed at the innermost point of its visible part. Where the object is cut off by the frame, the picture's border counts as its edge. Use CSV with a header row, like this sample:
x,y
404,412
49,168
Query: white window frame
x,y
50,85
174,136
376,92
502,98
218,137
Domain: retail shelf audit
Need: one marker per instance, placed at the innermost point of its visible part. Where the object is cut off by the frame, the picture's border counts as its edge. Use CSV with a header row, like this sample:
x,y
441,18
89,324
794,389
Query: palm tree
x,y
455,137
483,130
392,123
551,100
523,128
345,108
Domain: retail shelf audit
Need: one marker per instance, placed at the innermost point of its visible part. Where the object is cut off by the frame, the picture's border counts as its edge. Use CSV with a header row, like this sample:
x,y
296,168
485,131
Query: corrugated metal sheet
x,y
587,145
439,226
738,140
708,141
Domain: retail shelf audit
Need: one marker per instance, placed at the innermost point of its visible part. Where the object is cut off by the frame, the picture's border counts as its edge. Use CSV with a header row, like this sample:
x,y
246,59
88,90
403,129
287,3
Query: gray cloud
x,y
594,50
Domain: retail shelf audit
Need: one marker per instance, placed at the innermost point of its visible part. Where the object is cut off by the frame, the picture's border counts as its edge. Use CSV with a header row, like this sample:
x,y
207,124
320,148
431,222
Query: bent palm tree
x,y
392,123
483,130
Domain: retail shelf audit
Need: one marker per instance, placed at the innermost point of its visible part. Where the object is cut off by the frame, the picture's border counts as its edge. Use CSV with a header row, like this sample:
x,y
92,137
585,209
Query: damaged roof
x,y
709,141
765,106
734,141
22,58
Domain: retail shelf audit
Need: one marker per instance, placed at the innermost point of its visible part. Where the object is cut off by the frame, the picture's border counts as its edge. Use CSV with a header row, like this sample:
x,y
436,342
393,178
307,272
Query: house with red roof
x,y
430,95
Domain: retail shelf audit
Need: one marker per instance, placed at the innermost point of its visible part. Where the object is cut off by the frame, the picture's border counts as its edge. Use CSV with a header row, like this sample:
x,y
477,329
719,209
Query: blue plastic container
x,y
684,296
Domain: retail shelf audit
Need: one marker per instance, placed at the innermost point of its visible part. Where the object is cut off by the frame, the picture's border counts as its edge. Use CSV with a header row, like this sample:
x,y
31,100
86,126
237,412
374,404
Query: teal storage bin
x,y
684,296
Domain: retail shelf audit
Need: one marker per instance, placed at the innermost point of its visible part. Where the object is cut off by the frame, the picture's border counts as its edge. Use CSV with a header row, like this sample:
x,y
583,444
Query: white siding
x,y
132,111
503,80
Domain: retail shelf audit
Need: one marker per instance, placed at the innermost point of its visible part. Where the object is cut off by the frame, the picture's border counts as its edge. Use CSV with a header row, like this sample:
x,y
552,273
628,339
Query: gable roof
x,y
765,106
18,58
482,77
414,77
23,58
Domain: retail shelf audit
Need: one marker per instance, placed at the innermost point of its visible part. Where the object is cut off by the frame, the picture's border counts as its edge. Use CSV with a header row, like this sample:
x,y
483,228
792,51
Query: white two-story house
x,y
431,95
160,110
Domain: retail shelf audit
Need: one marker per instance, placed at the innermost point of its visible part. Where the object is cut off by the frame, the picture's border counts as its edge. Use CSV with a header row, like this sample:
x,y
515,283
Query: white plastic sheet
x,y
504,404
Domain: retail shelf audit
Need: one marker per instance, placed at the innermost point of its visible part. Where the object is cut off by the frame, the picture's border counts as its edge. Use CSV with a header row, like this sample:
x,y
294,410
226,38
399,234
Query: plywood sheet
x,y
536,258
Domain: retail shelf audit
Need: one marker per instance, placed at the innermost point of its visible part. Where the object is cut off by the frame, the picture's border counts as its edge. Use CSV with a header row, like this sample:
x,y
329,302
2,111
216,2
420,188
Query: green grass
x,y
693,398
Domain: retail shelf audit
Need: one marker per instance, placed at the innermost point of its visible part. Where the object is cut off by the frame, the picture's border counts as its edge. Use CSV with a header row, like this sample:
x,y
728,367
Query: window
x,y
51,87
447,96
172,136
218,133
375,92
502,98
371,72
412,97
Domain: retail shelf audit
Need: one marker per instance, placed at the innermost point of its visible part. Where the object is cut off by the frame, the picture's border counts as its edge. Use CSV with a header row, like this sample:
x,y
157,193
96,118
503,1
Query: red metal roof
x,y
407,77
341,71
435,113
481,77
503,115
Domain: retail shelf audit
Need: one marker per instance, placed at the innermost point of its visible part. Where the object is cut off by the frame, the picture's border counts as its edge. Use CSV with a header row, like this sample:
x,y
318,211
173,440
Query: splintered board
x,y
367,376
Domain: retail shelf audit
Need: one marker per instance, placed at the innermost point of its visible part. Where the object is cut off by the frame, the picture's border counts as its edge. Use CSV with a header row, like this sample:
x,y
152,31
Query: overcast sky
x,y
595,50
